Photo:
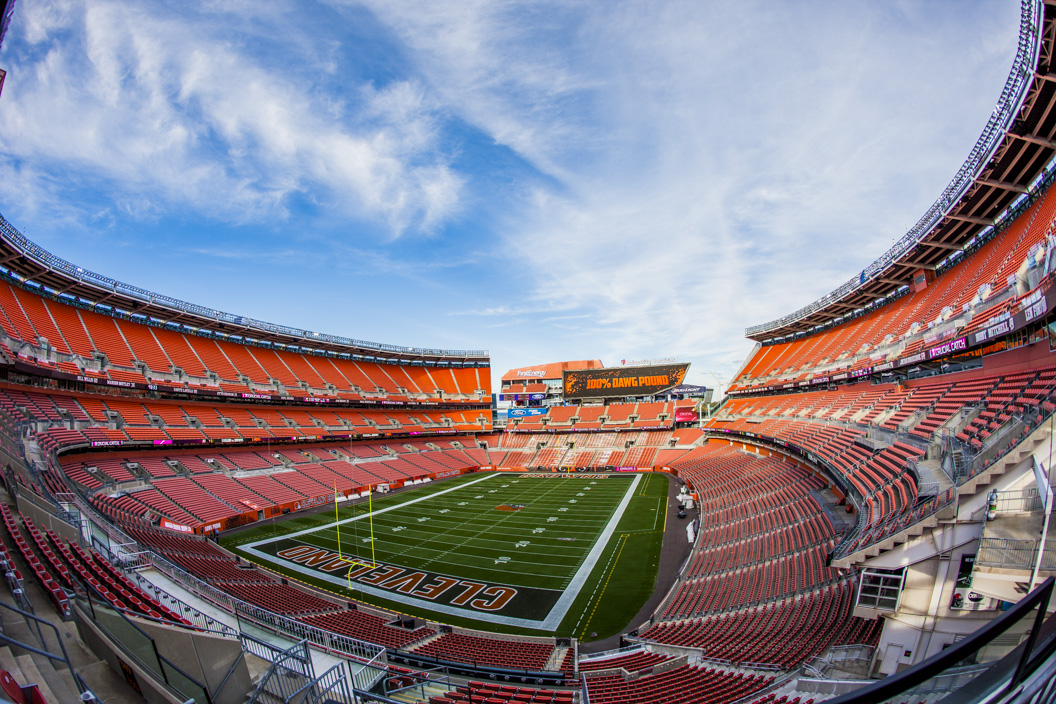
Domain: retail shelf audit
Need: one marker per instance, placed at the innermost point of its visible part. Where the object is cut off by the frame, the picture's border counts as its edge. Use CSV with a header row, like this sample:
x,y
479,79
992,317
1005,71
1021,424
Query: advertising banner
x,y
964,599
522,412
958,345
623,381
685,415
178,527
689,390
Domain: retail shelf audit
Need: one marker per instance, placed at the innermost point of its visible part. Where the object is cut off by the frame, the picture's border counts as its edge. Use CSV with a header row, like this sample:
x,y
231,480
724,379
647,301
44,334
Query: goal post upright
x,y
370,513
337,523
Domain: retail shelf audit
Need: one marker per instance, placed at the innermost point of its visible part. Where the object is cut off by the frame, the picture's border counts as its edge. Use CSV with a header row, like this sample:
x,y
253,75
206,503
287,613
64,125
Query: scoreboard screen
x,y
623,381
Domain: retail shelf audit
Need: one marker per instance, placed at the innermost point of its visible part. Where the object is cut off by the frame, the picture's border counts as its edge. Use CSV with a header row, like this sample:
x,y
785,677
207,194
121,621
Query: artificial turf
x,y
506,552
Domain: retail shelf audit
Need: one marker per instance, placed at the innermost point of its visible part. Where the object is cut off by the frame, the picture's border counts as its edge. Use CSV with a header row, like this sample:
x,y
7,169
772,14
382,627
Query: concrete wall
x,y
105,649
204,657
34,508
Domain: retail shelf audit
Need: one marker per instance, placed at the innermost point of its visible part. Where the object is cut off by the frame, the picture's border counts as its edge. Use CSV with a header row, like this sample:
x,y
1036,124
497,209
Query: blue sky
x,y
545,180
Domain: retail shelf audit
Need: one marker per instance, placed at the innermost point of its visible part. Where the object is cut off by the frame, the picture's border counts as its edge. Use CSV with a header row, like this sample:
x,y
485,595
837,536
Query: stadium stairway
x,y
1040,435
25,673
54,679
930,472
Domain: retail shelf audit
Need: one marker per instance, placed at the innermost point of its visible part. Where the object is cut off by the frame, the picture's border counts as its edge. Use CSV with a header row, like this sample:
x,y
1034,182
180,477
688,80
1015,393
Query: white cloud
x,y
716,166
173,113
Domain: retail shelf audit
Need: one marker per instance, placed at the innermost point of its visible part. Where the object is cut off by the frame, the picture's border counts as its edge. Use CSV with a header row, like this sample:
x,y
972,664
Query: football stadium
x,y
205,507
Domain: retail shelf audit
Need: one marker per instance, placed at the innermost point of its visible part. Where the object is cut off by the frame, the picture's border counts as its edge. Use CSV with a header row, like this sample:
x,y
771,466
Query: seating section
x,y
614,417
597,449
762,534
107,581
787,699
460,647
195,490
135,353
122,421
52,588
494,693
832,425
758,589
167,542
364,626
883,479
783,633
1011,395
684,685
280,598
218,571
632,662
64,559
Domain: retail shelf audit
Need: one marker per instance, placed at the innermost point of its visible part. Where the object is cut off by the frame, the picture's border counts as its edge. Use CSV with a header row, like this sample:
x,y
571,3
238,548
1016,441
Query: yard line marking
x,y
487,527
550,622
379,511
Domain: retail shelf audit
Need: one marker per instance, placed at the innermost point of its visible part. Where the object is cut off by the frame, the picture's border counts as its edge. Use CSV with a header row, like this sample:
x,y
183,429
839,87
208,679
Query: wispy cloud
x,y
170,112
716,165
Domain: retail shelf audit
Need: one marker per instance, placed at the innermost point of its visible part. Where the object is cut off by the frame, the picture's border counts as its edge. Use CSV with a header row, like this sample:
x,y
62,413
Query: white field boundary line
x,y
549,623
554,618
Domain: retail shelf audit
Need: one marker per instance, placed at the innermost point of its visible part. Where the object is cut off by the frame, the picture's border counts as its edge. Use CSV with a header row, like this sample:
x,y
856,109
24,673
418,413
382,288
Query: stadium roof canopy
x,y
1012,156
37,267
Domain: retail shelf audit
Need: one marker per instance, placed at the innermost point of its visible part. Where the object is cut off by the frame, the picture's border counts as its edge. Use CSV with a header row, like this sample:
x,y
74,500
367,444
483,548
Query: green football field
x,y
521,553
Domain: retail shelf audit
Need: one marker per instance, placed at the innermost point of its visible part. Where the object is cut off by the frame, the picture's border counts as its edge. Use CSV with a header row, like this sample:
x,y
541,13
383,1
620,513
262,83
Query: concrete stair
x,y
54,685
55,678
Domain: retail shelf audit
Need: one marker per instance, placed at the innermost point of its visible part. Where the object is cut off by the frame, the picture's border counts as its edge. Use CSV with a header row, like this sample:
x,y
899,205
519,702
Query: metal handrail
x,y
81,684
296,655
1016,554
